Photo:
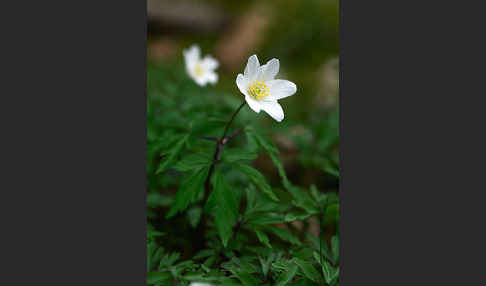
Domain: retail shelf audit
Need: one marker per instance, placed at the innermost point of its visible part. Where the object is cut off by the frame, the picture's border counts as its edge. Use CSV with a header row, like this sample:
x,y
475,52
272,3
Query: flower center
x,y
198,70
258,89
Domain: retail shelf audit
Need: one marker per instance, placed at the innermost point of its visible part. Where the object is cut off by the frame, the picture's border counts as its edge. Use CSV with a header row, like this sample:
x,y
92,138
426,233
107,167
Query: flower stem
x,y
217,152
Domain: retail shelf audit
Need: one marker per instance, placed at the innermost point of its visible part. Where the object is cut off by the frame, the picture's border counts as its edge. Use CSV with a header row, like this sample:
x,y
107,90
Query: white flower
x,y
200,284
262,90
200,70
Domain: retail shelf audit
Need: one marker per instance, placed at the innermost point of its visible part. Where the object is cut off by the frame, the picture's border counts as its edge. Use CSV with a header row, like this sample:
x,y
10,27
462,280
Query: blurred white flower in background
x,y
200,70
200,284
262,90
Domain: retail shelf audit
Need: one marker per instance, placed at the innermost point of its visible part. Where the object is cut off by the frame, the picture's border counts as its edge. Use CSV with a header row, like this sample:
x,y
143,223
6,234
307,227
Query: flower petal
x,y
211,77
273,109
202,81
210,63
242,83
192,54
252,66
280,88
270,69
255,105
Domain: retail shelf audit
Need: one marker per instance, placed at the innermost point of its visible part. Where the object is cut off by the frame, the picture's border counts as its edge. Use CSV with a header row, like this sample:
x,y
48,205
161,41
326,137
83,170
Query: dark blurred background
x,y
303,34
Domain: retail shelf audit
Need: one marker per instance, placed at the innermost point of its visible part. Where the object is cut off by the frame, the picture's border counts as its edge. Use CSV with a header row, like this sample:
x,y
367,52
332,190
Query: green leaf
x,y
303,200
308,270
205,253
257,178
194,215
266,263
263,238
155,200
172,154
192,161
264,218
284,234
293,216
332,170
157,277
281,171
323,246
224,206
151,234
331,214
188,191
287,275
335,248
264,143
238,154
330,273
246,278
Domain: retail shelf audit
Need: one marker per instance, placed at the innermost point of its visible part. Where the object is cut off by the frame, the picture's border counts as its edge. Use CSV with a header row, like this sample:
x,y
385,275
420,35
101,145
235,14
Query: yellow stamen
x,y
258,89
198,70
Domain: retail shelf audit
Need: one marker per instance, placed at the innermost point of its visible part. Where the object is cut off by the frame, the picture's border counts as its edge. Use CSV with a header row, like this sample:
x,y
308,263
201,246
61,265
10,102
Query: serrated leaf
x,y
191,162
308,270
264,218
238,154
246,278
251,198
303,200
284,234
281,170
295,216
287,275
257,178
266,264
173,258
323,246
157,277
224,207
188,191
330,273
263,238
172,154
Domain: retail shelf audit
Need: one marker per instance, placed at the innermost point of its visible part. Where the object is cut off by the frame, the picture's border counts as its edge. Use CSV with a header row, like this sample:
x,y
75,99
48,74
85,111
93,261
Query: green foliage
x,y
235,213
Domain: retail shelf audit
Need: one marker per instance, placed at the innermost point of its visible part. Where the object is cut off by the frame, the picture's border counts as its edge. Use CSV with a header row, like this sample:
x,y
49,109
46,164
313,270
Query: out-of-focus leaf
x,y
263,238
293,216
194,215
155,200
308,270
335,248
172,154
330,273
157,277
284,234
264,218
246,278
287,275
